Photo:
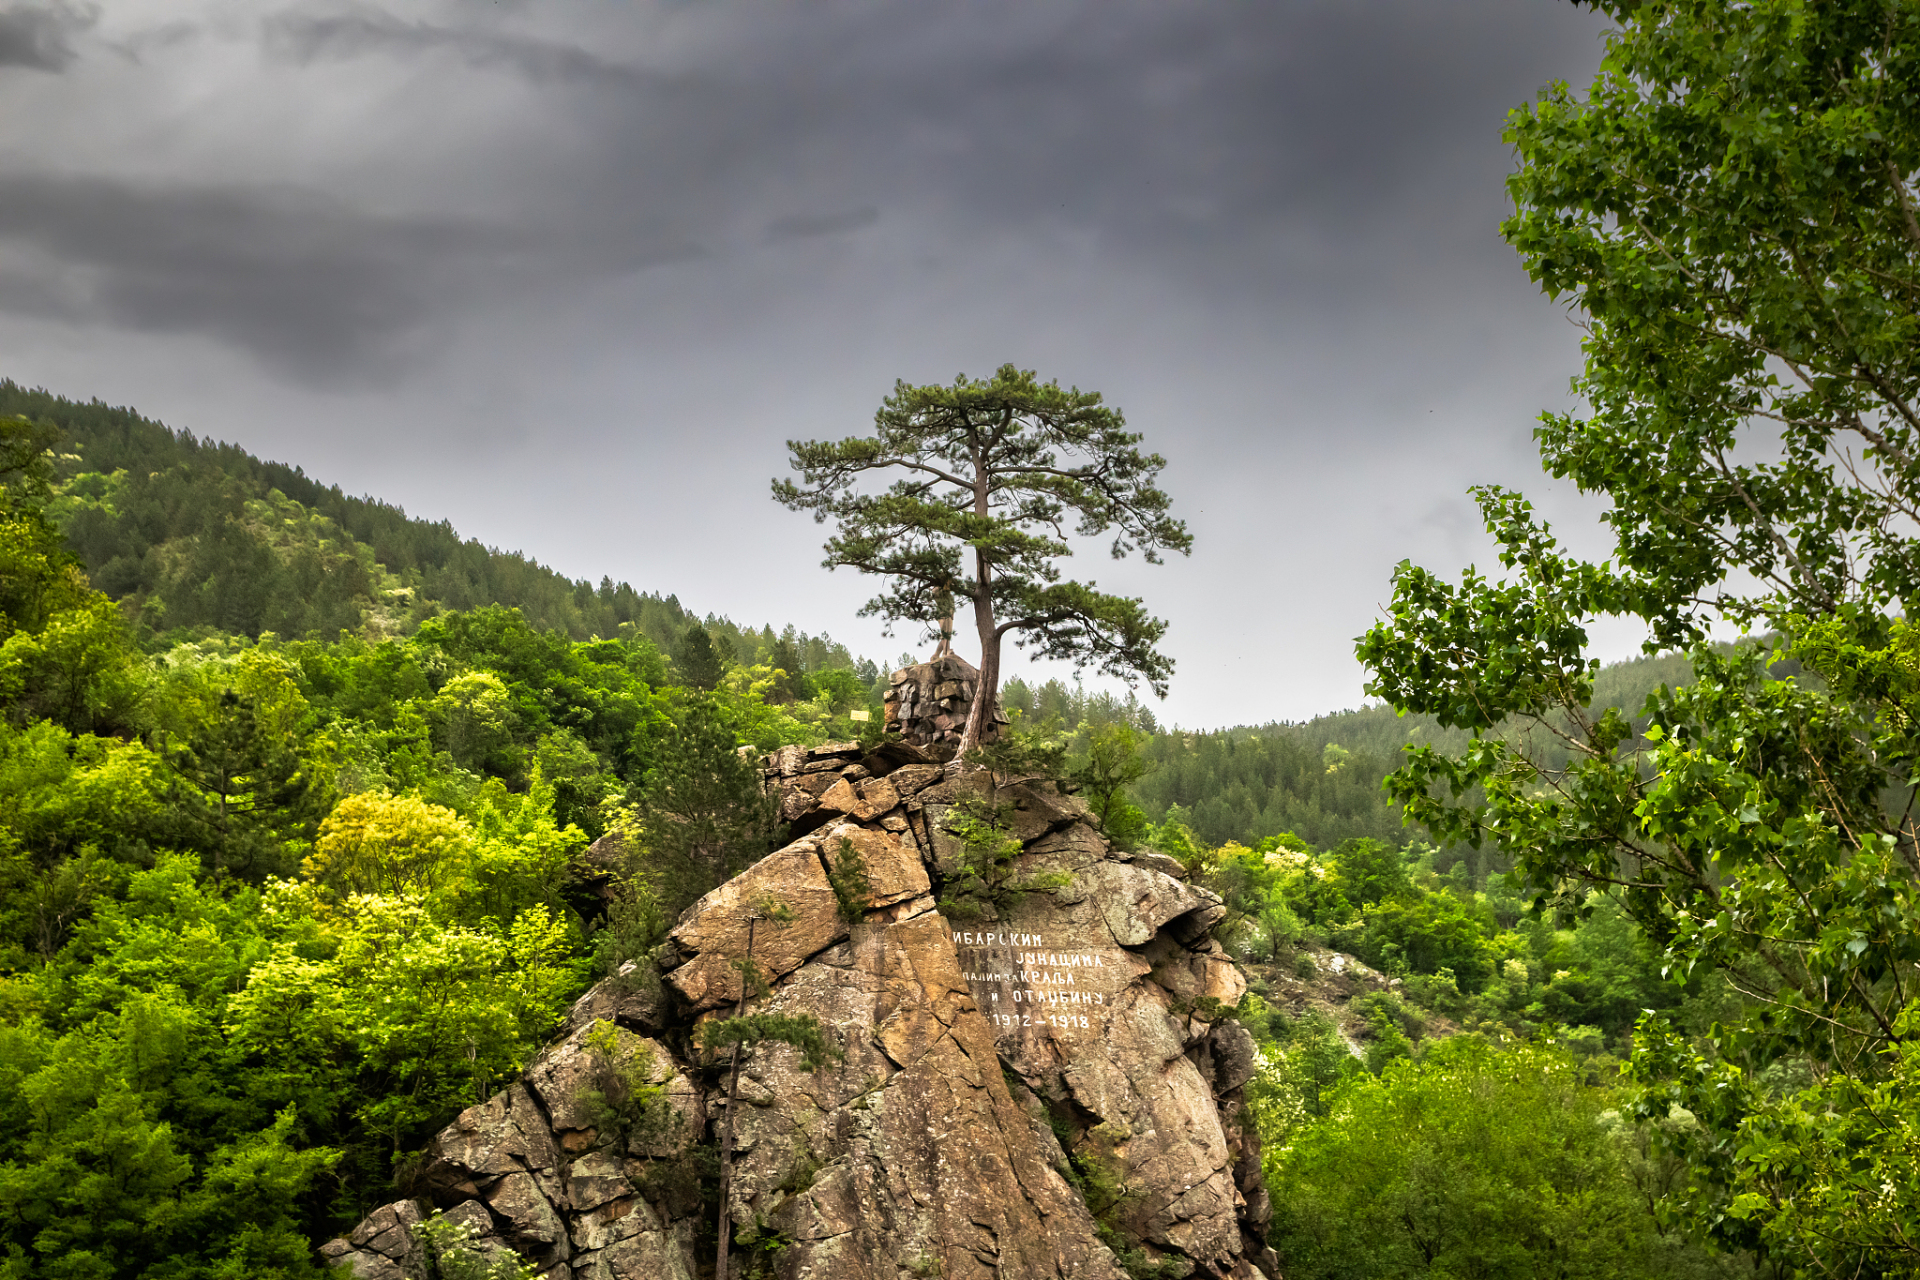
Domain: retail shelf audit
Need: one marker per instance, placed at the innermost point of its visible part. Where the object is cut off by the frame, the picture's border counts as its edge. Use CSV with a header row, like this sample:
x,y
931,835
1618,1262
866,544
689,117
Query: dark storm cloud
x,y
1181,133
39,35
311,286
1237,149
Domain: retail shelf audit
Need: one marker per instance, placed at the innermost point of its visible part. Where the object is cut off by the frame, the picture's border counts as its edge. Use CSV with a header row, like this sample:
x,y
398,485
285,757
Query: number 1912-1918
x,y
1039,1019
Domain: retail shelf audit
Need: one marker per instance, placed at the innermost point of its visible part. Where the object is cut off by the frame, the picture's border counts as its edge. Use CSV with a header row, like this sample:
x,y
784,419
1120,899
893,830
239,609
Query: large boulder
x,y
782,906
987,1063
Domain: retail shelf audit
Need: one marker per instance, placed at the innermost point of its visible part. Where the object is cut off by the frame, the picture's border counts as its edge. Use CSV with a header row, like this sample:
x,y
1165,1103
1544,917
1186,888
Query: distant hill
x,y
1318,778
191,535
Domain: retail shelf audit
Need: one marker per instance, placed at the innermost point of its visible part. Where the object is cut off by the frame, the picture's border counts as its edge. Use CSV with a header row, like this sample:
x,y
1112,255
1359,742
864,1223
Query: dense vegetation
x,y
1460,1110
284,890
1319,778
272,910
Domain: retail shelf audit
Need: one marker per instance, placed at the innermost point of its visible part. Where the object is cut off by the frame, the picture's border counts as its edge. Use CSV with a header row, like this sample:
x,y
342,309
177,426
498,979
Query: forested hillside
x,y
276,904
192,536
273,910
197,539
1319,778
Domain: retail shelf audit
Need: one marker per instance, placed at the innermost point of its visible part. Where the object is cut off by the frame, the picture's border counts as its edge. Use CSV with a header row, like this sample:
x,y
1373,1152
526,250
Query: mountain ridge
x,y
188,533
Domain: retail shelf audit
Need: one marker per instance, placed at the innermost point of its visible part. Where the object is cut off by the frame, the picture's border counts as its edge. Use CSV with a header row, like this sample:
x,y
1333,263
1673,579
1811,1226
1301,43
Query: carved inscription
x,y
1031,980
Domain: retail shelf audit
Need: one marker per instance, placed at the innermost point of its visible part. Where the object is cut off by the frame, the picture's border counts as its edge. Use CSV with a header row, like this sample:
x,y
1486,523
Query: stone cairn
x,y
928,703
988,1061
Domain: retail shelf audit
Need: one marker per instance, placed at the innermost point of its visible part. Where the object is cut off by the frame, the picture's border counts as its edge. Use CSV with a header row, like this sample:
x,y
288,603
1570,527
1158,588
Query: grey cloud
x,y
39,36
801,226
303,38
1269,231
311,288
1224,147
1250,144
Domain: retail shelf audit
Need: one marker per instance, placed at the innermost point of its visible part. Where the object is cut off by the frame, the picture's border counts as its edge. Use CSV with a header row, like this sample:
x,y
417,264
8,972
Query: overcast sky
x,y
570,273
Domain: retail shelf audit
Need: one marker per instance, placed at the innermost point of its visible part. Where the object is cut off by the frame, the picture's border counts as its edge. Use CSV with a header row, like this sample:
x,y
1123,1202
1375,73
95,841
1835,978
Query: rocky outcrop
x,y
927,704
1056,1030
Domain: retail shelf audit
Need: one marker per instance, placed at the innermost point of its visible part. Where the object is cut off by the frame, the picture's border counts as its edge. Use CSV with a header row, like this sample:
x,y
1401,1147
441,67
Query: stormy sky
x,y
570,273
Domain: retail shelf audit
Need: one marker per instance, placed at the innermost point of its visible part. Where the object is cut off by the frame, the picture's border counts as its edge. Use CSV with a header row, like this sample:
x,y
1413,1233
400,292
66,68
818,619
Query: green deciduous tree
x,y
1476,1161
403,1019
1115,762
994,472
1731,206
64,654
381,844
36,575
450,1251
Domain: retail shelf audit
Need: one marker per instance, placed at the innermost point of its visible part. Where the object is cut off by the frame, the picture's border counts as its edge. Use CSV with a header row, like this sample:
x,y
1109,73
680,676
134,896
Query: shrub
x,y
1473,1161
987,884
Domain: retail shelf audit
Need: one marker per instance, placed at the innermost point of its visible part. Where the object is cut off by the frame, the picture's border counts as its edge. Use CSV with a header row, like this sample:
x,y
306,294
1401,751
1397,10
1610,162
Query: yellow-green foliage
x,y
385,983
273,910
381,844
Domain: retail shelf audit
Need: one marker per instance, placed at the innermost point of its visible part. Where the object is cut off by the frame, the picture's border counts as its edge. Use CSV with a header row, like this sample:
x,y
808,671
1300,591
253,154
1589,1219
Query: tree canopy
x,y
1731,209
990,475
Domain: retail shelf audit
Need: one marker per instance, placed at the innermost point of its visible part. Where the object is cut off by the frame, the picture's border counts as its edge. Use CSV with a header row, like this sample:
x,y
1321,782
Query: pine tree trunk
x,y
726,1165
986,694
985,697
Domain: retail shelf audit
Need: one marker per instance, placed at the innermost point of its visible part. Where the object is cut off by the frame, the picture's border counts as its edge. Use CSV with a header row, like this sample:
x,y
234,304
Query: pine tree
x,y
696,659
996,469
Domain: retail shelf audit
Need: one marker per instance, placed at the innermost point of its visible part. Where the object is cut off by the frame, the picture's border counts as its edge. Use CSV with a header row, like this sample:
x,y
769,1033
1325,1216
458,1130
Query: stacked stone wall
x,y
928,703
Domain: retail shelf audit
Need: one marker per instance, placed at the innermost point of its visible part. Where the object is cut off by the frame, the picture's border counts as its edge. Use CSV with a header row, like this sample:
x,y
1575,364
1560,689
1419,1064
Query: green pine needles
x,y
748,1030
852,886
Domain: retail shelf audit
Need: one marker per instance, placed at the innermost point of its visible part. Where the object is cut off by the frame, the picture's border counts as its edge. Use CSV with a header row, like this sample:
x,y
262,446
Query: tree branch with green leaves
x,y
1728,208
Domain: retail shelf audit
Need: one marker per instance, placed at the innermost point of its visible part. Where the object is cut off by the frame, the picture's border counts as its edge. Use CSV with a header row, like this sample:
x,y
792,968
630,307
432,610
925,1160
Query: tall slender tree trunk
x,y
726,1126
987,692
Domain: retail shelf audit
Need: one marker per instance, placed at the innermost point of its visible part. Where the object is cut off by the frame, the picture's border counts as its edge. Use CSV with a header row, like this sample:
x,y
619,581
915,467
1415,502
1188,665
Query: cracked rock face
x,y
992,1061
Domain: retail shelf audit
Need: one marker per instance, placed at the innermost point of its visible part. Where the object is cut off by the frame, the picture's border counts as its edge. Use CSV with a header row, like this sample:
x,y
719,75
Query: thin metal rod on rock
x,y
726,1125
